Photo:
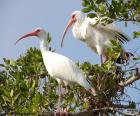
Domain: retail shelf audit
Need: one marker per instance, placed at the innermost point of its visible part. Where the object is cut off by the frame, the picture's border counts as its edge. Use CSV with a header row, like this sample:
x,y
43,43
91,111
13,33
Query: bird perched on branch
x,y
95,33
58,66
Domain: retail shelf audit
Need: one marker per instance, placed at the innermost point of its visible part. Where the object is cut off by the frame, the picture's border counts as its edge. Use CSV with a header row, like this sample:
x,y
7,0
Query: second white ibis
x,y
58,66
95,35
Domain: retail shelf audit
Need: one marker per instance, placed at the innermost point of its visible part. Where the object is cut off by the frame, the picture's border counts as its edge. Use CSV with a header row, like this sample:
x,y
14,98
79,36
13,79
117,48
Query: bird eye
x,y
73,16
38,30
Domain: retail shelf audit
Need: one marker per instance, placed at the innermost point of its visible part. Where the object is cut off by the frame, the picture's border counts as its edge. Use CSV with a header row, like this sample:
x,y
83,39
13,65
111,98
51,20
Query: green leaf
x,y
91,15
6,61
11,94
101,8
16,97
136,58
85,2
23,87
136,34
99,1
132,104
85,105
96,23
86,10
5,98
2,65
12,62
6,92
33,85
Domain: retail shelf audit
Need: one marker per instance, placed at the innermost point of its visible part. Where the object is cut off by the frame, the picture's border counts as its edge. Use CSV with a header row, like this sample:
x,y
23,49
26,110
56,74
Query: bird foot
x,y
61,113
57,111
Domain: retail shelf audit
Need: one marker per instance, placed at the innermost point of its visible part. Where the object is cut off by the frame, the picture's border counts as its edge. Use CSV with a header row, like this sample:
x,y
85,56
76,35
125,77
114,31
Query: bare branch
x,y
132,79
119,19
120,106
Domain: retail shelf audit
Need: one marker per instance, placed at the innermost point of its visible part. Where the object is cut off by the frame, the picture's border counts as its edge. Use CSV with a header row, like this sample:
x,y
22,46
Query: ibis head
x,y
77,16
38,32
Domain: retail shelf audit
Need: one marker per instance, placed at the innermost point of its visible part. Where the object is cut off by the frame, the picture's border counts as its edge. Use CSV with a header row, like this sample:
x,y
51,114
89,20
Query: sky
x,y
17,17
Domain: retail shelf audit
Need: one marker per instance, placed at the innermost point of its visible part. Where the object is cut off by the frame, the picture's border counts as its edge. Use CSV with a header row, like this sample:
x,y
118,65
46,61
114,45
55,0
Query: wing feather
x,y
110,29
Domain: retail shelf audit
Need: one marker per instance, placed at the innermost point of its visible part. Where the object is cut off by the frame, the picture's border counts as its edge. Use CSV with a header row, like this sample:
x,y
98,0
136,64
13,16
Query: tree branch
x,y
94,112
119,19
120,106
132,79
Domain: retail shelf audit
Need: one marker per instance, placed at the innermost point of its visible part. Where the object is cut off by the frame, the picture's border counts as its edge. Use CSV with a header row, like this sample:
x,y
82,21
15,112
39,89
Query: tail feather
x,y
91,89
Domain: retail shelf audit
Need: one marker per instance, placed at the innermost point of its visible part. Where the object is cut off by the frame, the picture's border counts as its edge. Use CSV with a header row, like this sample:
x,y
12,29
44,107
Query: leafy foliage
x,y
19,85
21,80
136,34
118,10
20,88
115,9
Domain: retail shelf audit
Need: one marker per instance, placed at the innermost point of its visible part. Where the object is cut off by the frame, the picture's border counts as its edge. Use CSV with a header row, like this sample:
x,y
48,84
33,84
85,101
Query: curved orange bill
x,y
34,33
71,21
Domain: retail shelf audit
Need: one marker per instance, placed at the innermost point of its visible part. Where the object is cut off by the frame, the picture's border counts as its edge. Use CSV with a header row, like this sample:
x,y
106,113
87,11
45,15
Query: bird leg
x,y
101,59
58,110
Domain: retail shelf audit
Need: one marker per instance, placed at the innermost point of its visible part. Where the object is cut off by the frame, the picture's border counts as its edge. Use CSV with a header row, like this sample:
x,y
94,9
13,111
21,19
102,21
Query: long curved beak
x,y
70,23
34,33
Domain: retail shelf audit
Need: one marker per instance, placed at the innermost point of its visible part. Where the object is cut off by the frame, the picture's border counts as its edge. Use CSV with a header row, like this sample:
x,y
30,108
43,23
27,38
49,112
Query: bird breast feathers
x,y
78,32
62,67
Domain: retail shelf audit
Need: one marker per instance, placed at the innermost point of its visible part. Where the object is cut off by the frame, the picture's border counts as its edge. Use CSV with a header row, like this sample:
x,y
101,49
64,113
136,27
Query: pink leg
x,y
58,110
101,59
60,97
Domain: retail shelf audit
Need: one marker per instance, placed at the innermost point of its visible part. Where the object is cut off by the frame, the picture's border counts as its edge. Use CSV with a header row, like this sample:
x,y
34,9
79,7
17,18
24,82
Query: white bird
x,y
90,31
58,66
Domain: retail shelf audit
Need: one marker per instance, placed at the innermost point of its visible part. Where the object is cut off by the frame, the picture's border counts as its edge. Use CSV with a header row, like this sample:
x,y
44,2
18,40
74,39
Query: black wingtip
x,y
123,37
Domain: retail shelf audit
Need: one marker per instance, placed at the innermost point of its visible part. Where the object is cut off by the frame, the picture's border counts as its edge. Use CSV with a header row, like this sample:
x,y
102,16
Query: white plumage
x,y
91,31
58,66
63,69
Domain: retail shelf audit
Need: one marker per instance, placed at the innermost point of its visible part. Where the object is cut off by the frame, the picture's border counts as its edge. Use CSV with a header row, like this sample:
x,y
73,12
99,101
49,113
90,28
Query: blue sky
x,y
21,16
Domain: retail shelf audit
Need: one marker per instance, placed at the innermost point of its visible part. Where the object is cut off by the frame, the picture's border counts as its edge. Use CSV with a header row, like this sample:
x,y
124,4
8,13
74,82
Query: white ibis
x,y
58,66
95,35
